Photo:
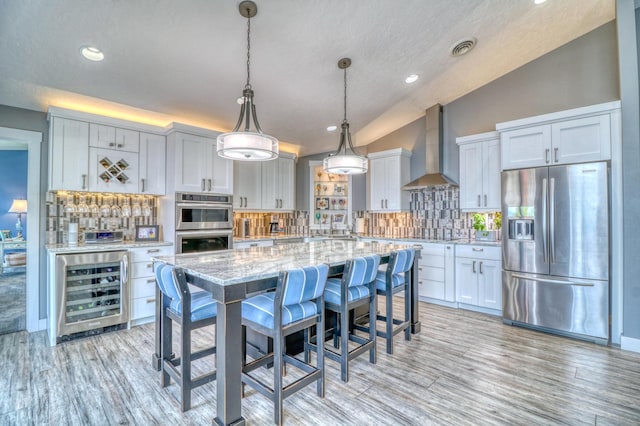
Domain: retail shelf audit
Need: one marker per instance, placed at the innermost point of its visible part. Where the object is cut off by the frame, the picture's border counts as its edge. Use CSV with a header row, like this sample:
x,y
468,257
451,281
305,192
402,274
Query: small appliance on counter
x,y
100,237
274,224
244,228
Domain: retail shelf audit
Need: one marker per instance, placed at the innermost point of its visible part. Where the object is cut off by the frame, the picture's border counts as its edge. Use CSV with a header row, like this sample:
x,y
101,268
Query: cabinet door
x,y
109,137
270,199
113,171
489,284
471,182
152,164
377,184
127,140
491,198
220,171
582,140
247,183
69,156
393,178
466,280
522,148
286,183
191,163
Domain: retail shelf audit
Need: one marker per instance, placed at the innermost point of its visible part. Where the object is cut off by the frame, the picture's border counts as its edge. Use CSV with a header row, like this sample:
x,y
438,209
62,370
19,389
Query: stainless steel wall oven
x,y
204,222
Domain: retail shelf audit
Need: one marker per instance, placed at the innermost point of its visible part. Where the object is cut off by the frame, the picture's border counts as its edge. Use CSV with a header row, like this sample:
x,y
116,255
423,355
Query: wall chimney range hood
x,y
435,152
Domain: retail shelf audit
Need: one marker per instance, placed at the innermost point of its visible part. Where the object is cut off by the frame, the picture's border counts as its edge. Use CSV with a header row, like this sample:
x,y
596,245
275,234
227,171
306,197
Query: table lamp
x,y
19,207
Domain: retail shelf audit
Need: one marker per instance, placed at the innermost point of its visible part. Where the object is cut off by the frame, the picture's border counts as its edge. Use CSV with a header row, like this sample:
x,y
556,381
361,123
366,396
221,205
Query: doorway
x,y
35,290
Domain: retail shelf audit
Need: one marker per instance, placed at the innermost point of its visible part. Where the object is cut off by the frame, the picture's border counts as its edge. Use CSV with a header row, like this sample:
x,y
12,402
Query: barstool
x,y
297,304
190,311
392,280
356,288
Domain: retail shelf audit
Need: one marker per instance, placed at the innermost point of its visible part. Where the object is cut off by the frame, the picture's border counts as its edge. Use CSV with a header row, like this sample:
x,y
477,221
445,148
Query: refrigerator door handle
x,y
552,219
550,281
544,219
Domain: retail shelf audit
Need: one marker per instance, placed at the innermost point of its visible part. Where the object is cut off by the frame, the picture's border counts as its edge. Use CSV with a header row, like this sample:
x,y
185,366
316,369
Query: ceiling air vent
x,y
463,46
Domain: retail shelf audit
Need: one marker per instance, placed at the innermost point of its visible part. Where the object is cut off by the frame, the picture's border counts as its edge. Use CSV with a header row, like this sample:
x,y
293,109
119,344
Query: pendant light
x,y
245,144
342,162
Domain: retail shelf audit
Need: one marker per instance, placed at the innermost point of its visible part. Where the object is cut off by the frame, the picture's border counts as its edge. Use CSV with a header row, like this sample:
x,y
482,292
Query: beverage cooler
x,y
92,292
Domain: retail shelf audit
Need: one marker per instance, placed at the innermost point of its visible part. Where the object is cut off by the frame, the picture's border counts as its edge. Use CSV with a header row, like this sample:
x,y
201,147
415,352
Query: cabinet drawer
x,y
143,307
143,254
142,269
432,289
432,260
432,250
143,287
479,252
431,273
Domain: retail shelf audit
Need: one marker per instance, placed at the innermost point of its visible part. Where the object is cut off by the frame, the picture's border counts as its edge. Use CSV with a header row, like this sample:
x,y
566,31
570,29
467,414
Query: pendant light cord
x,y
248,85
345,95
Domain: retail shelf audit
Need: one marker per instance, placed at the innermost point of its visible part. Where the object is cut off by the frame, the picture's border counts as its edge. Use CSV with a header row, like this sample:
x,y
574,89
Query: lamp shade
x,y
247,146
345,164
18,206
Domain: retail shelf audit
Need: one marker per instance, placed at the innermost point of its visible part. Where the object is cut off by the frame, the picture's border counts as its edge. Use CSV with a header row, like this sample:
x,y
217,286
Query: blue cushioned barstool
x,y
297,304
356,288
392,280
190,311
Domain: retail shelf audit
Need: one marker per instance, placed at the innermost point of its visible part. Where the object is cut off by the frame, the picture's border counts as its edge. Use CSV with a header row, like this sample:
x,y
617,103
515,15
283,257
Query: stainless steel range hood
x,y
434,175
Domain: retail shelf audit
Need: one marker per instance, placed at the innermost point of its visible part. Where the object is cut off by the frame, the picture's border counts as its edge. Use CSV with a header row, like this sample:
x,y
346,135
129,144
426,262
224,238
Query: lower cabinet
x,y
436,273
143,282
478,278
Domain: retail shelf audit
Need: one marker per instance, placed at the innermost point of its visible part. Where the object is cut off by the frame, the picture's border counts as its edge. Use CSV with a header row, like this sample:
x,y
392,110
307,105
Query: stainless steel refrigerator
x,y
555,255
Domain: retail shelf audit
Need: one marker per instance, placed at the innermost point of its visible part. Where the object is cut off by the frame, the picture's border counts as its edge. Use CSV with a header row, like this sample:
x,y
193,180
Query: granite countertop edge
x,y
257,238
87,248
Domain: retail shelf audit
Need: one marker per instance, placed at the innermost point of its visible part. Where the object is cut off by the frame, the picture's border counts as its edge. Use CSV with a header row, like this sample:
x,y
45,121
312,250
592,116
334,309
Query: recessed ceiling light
x,y
332,128
539,1
412,78
92,53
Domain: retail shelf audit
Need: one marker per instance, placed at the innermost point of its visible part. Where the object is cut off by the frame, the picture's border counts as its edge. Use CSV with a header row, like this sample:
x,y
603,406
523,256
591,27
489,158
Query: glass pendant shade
x,y
247,145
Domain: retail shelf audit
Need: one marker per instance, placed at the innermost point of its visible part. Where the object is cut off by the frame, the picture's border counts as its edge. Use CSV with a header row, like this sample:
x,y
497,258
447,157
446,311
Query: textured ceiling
x,y
184,61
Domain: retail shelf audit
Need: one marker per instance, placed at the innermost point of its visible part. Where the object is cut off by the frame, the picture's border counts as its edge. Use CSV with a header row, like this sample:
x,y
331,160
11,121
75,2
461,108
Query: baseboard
x,y
438,302
480,309
630,344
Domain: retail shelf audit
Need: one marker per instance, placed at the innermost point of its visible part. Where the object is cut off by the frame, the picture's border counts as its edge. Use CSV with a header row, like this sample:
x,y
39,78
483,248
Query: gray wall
x,y
628,42
580,73
24,119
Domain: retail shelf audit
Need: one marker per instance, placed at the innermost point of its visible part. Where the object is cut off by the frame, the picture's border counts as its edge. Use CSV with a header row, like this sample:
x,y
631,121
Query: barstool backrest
x,y
362,270
166,281
402,261
304,284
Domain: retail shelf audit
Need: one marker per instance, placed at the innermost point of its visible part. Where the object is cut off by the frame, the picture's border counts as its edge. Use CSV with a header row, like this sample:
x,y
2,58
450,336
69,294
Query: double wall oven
x,y
204,222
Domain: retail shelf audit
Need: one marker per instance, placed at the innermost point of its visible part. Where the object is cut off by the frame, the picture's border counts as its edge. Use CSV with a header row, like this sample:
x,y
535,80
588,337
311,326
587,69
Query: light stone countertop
x,y
227,267
256,238
89,248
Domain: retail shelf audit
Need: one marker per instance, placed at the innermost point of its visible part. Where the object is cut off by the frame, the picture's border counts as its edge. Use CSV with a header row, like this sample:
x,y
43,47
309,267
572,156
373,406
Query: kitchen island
x,y
231,275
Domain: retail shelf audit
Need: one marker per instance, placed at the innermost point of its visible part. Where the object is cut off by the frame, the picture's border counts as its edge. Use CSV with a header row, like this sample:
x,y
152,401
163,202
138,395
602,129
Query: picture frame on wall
x,y
147,232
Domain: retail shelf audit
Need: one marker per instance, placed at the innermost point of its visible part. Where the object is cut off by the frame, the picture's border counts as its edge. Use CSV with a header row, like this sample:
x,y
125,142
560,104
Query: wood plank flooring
x,y
13,294
464,368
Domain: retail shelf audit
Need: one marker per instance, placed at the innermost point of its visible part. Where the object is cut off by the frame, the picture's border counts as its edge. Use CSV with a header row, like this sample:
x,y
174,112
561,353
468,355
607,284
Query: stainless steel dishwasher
x,y
92,292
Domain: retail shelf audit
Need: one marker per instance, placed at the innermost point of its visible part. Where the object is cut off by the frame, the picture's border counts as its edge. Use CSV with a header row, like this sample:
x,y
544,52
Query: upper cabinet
x,y
68,155
265,185
194,164
102,154
388,173
480,172
574,136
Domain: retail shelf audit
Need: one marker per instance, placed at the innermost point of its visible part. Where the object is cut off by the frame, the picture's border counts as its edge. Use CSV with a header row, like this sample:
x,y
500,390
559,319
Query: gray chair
x,y
297,304
190,311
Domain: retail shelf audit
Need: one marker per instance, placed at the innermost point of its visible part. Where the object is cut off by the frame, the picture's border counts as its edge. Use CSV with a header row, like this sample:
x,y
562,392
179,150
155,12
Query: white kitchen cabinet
x,y
436,281
388,173
478,279
278,187
113,171
109,137
143,282
198,167
247,184
69,155
574,136
152,166
480,172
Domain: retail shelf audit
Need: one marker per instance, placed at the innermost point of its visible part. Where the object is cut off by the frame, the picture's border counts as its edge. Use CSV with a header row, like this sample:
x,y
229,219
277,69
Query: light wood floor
x,y
463,368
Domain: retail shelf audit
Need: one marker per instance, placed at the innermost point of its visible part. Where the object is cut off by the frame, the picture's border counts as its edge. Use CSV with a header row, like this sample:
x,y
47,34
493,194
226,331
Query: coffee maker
x,y
274,225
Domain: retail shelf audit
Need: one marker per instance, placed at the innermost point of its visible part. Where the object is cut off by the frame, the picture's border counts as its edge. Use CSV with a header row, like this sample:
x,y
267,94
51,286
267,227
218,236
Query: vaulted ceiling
x,y
185,61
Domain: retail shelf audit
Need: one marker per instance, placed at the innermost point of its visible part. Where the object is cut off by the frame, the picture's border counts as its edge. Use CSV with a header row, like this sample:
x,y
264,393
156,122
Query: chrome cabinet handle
x,y
124,267
120,145
142,185
485,200
84,181
245,201
276,203
473,267
153,250
151,280
478,200
382,204
477,249
112,144
149,265
481,267
555,154
203,183
546,155
386,204
448,247
151,300
253,245
209,181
